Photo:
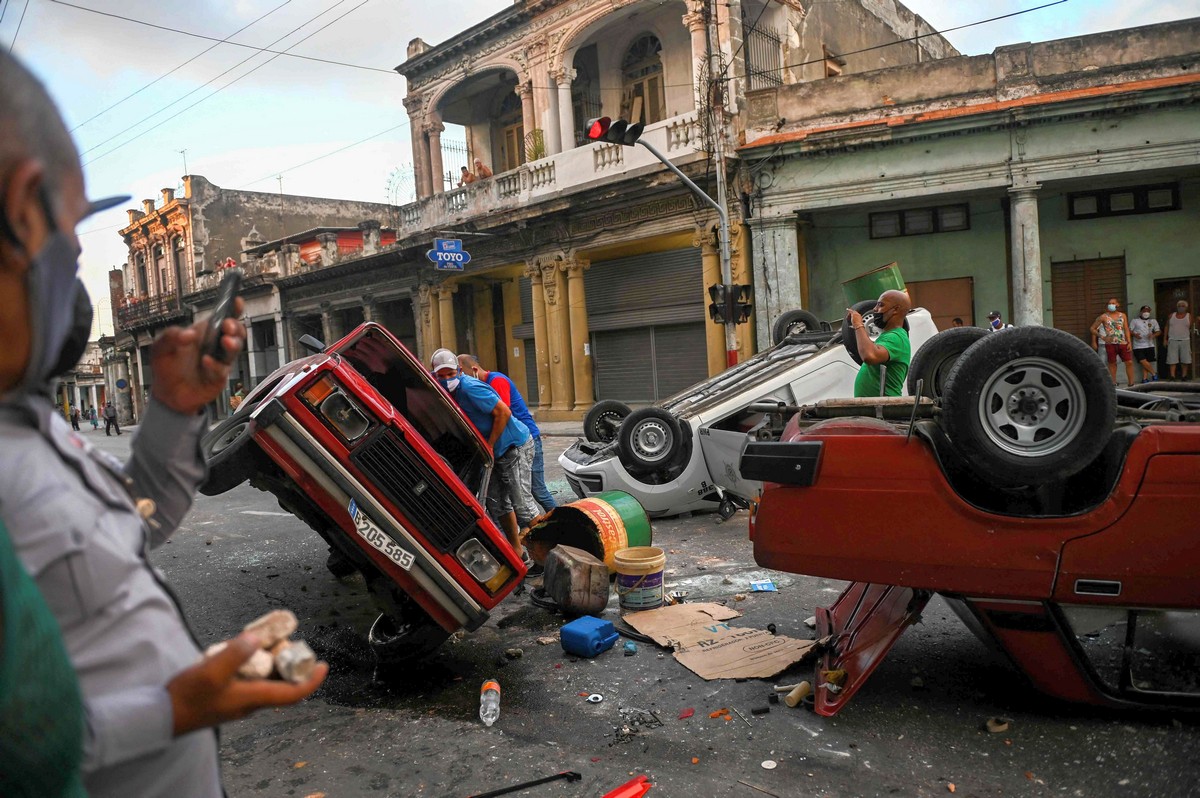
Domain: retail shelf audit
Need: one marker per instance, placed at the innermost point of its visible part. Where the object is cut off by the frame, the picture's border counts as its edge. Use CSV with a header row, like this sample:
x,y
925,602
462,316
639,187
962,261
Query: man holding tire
x,y
891,348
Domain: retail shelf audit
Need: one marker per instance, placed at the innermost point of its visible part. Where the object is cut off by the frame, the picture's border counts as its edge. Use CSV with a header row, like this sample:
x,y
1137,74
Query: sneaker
x,y
532,568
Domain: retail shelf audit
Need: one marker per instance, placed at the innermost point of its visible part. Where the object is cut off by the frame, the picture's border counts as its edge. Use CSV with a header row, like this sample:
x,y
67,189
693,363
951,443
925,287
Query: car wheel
x,y
602,420
867,309
794,322
403,631
1030,406
933,361
649,440
229,452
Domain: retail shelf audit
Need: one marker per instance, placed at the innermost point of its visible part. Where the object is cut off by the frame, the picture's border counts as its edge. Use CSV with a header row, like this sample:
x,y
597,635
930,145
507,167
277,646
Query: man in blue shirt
x,y
503,385
509,500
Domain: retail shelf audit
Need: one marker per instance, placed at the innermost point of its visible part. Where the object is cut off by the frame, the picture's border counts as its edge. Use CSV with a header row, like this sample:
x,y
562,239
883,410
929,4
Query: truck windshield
x,y
413,395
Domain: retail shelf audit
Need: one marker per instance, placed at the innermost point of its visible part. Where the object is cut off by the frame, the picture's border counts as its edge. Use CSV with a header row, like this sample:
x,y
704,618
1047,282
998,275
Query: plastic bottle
x,y
489,702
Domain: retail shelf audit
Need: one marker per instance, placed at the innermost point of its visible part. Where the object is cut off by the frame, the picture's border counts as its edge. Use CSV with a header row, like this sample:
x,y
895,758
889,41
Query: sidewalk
x,y
561,429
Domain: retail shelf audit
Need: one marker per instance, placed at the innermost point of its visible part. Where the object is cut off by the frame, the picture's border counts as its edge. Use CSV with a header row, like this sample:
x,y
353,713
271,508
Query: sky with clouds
x,y
245,117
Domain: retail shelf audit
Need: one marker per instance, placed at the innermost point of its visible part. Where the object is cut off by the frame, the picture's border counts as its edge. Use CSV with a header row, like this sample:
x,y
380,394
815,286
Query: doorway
x,y
1166,294
945,300
1079,289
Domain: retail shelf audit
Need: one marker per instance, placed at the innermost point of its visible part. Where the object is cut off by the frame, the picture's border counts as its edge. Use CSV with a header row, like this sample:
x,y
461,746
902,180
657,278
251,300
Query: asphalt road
x,y
416,732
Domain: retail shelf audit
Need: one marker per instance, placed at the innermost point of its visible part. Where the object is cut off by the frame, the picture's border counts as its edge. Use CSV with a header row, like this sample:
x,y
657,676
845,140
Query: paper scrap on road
x,y
711,648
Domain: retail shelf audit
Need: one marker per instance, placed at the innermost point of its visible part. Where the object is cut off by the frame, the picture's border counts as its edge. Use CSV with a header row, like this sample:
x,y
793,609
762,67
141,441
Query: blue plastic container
x,y
588,636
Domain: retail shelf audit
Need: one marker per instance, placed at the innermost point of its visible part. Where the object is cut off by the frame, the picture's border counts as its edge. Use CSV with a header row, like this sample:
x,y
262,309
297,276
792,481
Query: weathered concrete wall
x,y
221,218
1023,74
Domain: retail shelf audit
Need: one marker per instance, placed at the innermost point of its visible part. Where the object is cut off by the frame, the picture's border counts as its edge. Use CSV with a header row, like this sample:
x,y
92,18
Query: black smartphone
x,y
227,292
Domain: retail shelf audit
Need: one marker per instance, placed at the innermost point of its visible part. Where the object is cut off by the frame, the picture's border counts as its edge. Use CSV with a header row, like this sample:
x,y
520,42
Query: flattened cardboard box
x,y
712,649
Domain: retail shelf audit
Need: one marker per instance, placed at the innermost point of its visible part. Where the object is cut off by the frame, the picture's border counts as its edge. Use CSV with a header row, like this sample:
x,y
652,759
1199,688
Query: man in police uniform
x,y
82,523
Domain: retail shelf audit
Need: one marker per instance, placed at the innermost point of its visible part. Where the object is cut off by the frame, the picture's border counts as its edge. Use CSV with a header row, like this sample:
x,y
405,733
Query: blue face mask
x,y
450,383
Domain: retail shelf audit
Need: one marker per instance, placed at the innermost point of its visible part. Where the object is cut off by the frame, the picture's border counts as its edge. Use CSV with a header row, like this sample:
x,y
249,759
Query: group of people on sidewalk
x,y
1136,340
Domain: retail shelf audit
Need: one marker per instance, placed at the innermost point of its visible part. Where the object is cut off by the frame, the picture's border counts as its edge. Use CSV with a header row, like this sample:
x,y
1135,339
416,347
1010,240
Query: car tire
x,y
937,356
866,308
649,440
228,449
403,632
794,322
601,422
1028,406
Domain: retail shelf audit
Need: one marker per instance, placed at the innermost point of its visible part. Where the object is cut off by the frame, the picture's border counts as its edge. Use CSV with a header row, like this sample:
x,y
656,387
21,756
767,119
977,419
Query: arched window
x,y
642,75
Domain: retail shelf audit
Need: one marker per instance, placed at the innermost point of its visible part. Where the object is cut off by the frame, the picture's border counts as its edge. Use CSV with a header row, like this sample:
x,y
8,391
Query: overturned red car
x,y
1056,515
360,443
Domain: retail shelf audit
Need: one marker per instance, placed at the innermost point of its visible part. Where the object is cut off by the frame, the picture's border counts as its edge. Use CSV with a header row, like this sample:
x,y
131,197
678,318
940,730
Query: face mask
x,y
81,328
1181,309
995,324
450,385
56,311
1112,307
1145,315
880,320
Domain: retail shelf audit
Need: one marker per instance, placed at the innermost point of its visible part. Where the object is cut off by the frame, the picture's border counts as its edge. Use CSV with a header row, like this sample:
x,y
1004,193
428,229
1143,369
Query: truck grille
x,y
412,486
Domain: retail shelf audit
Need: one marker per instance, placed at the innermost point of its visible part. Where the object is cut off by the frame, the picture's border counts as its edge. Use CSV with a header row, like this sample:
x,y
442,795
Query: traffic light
x,y
741,303
615,132
719,307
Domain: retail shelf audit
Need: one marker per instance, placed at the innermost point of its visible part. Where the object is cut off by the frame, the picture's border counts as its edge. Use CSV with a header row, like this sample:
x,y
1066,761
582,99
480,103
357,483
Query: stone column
x,y
581,348
1026,257
419,316
566,111
415,105
558,325
449,339
434,132
694,21
289,256
528,115
776,271
432,320
368,307
551,139
327,331
541,337
329,248
714,334
370,235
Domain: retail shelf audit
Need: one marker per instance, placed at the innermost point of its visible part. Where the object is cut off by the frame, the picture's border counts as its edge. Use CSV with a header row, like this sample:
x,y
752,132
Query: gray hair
x,y
33,127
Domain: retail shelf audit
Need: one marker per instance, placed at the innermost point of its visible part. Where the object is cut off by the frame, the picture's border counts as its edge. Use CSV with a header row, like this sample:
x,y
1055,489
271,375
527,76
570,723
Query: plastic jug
x,y
588,636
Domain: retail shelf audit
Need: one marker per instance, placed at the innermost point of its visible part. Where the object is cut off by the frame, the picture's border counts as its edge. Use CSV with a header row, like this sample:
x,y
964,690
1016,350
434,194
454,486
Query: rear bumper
x,y
438,586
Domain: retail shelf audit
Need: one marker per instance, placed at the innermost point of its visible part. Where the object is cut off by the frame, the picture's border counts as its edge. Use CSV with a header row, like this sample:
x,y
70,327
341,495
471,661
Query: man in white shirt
x,y
1145,330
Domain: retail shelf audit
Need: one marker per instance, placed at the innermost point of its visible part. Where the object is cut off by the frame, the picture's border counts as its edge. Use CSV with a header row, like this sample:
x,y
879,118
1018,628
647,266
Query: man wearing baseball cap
x,y
510,496
995,323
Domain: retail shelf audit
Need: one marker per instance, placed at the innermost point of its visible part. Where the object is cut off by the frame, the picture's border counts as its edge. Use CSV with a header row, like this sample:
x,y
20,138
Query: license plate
x,y
369,532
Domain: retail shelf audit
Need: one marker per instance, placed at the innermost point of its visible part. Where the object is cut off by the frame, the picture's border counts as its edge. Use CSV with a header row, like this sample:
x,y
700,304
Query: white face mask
x,y
1112,307
1145,315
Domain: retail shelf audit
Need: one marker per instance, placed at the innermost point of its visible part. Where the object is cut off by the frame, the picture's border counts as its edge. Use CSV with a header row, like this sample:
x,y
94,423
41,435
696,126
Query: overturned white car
x,y
682,454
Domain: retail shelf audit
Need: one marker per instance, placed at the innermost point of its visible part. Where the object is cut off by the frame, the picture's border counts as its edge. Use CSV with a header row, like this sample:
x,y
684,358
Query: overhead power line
x,y
279,172
20,22
221,88
226,39
176,69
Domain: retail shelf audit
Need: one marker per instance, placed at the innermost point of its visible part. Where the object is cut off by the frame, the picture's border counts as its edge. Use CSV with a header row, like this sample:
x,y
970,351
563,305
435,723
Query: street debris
x,y
634,788
547,640
569,775
289,660
798,694
634,722
576,580
595,698
743,717
708,646
763,586
739,597
514,653
760,789
687,713
950,787
759,710
630,648
588,636
811,622
917,683
996,725
769,764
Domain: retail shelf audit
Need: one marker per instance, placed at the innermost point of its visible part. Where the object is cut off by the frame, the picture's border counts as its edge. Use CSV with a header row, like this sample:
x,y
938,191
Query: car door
x,y
1127,594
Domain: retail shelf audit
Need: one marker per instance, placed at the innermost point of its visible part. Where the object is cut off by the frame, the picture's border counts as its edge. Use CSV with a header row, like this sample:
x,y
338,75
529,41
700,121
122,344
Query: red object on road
x,y
631,789
687,713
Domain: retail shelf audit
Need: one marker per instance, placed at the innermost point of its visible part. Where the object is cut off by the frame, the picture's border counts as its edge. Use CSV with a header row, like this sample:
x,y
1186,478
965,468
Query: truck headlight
x,y
478,561
345,416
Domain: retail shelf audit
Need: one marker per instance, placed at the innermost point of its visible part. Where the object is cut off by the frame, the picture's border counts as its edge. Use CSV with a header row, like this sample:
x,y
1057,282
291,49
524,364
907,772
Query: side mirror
x,y
312,344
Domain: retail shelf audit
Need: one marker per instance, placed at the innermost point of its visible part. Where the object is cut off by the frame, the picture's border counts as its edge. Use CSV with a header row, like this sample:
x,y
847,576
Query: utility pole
x,y
716,104
183,152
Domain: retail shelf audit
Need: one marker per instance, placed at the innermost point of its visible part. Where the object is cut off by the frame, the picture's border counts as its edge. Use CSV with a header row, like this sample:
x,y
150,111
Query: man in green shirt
x,y
891,348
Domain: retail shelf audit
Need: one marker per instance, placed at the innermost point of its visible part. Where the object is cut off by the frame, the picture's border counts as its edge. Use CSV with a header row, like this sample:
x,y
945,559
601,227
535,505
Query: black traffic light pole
x,y
722,235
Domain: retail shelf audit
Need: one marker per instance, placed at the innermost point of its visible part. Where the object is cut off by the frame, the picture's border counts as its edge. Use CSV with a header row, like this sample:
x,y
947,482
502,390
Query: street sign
x,y
122,384
448,254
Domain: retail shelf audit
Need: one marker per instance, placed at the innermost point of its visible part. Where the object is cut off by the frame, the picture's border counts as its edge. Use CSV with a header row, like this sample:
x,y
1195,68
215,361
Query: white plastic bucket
x,y
640,577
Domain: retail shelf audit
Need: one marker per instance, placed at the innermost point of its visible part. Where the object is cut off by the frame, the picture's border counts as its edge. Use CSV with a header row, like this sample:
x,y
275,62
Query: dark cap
x,y
995,314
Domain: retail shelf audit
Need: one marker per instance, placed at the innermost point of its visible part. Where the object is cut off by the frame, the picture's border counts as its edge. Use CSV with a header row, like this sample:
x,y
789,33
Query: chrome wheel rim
x,y
1032,407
